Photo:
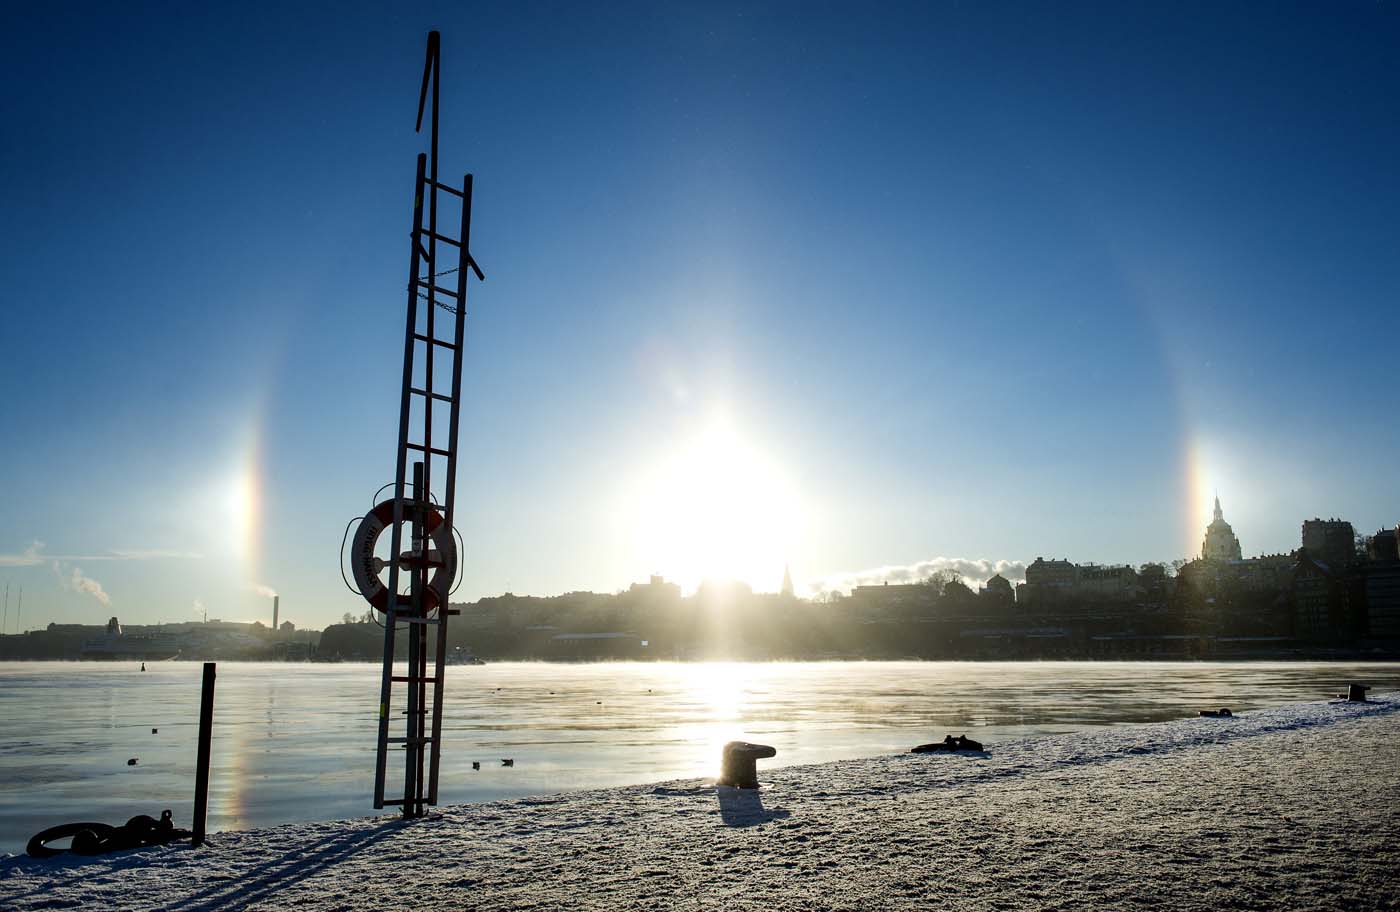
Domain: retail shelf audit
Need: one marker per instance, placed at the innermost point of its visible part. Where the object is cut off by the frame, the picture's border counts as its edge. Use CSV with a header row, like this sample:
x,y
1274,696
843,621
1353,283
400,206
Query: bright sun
x,y
717,508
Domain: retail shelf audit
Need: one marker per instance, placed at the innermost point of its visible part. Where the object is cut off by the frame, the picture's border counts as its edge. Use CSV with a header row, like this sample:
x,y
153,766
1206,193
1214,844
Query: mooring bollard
x,y
1356,693
738,766
201,770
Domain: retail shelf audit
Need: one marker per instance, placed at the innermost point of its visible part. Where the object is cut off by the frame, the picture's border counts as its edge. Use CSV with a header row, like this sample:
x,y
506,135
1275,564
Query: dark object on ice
x,y
87,842
476,764
948,744
1221,713
154,730
738,763
510,762
39,847
143,666
131,762
100,838
1356,693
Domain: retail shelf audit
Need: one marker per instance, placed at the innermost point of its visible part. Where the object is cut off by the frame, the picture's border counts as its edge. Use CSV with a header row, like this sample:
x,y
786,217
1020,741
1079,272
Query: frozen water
x,y
1282,808
294,742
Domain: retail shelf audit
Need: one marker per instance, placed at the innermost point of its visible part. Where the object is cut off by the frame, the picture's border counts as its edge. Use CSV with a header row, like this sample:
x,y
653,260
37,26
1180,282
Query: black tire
x,y
38,846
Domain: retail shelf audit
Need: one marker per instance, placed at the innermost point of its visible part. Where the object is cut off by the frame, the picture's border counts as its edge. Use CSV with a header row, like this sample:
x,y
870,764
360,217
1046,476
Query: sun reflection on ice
x,y
711,701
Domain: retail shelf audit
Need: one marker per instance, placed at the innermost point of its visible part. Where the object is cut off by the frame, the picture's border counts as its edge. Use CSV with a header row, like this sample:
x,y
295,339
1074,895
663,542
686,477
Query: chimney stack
x,y
274,613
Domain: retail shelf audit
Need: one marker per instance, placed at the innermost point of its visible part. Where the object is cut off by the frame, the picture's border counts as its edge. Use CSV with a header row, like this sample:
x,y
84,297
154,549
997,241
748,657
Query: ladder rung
x,y
409,679
471,260
438,288
422,392
408,740
392,801
414,620
422,338
442,237
452,190
422,449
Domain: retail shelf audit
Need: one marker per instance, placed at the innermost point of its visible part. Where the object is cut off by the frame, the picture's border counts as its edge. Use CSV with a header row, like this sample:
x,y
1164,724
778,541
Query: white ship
x,y
143,647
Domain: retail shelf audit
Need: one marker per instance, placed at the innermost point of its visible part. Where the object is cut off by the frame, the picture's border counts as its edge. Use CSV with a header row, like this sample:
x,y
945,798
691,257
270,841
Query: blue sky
x,y
975,281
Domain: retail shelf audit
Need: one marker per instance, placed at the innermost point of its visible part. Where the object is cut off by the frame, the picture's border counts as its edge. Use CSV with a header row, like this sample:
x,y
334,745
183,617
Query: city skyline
x,y
766,288
972,572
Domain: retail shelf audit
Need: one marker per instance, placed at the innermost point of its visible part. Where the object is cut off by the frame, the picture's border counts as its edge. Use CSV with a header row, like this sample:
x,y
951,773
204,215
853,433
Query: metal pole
x,y
422,481
413,746
201,771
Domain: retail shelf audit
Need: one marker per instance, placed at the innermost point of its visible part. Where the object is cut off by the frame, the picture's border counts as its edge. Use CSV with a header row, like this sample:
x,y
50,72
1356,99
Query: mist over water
x,y
296,742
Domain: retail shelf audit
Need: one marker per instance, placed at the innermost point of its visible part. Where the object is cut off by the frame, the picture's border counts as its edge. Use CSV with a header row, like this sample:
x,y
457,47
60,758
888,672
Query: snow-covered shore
x,y
1288,808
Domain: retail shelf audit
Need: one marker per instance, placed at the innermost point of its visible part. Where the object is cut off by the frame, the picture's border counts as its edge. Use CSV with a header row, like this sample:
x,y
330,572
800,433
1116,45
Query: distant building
x,y
1048,583
998,586
1319,599
786,591
997,595
655,591
612,645
1113,583
1268,572
1220,543
1383,600
1332,541
1053,573
1382,585
884,600
1384,546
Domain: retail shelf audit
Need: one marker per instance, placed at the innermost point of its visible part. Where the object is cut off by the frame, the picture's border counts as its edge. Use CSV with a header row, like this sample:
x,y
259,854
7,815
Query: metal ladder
x,y
420,609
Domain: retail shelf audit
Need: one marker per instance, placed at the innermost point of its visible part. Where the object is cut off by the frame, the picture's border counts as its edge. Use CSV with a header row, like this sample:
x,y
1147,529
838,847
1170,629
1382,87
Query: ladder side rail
x,y
449,499
429,350
396,534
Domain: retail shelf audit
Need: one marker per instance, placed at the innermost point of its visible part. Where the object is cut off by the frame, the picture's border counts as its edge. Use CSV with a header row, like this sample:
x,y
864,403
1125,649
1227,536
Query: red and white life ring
x,y
366,567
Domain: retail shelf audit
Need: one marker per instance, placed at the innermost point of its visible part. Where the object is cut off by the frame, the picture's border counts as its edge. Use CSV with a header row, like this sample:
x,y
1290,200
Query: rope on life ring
x,y
365,567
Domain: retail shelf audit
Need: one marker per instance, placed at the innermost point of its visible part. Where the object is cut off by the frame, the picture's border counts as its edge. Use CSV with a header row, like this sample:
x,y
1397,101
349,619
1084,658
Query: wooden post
x,y
201,772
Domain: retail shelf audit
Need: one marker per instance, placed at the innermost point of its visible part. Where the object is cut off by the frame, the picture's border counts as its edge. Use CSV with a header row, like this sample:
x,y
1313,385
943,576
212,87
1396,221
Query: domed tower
x,y
1221,543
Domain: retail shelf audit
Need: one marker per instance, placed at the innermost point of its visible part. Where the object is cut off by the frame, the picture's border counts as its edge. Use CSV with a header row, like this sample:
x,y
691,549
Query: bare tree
x,y
938,580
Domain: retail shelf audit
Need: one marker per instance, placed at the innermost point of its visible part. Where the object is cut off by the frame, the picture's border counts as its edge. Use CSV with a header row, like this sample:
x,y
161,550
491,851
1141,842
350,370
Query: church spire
x,y
1221,543
787,581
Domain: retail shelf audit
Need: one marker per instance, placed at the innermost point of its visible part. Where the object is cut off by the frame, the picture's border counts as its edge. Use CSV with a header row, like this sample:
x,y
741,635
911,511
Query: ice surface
x,y
1292,807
